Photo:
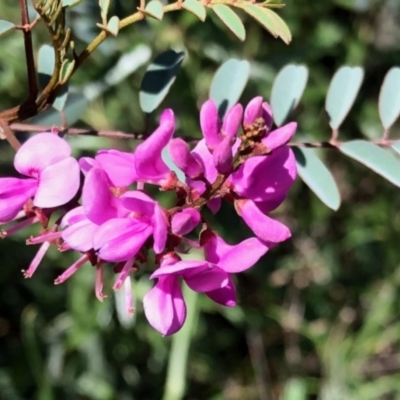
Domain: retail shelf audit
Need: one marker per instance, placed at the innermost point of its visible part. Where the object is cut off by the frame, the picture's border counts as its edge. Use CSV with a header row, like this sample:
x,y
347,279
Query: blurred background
x,y
318,316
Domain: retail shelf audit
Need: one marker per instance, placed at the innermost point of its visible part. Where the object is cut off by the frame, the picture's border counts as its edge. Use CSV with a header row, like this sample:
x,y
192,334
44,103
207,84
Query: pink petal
x,y
160,230
180,267
119,167
58,183
14,193
97,200
267,115
138,202
40,151
73,216
181,156
120,239
214,204
222,156
86,164
266,228
253,110
79,236
185,221
205,279
266,177
232,121
165,307
209,123
280,136
205,159
225,296
149,164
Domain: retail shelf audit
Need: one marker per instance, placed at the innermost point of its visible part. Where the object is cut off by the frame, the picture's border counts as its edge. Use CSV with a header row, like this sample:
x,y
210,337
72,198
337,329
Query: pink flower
x,y
53,176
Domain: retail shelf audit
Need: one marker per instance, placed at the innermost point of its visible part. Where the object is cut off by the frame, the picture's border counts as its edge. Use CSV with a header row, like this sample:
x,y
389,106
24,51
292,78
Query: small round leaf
x,y
155,9
113,25
389,98
196,8
5,26
231,20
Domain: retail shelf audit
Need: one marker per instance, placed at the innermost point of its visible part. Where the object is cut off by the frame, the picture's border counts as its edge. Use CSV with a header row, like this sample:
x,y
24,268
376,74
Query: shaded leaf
x,y
317,177
396,146
5,26
155,9
196,8
70,3
61,99
283,30
67,68
389,98
287,90
157,80
231,20
113,25
228,84
342,93
262,18
46,62
372,156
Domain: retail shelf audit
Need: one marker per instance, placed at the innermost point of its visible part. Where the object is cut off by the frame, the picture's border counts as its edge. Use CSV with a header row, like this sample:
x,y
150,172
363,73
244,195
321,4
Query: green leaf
x,y
61,99
287,90
396,147
231,20
261,17
70,3
113,25
228,84
283,30
295,389
196,8
342,93
67,68
377,159
104,6
5,26
317,177
157,80
155,9
46,62
389,98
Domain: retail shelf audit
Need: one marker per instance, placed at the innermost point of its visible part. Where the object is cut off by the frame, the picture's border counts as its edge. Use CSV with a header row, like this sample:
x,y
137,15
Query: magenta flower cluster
x,y
109,218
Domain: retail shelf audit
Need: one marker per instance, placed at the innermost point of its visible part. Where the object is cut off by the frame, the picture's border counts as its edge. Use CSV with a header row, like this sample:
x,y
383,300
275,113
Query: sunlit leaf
x,y
231,20
67,68
5,26
104,6
261,17
283,30
372,156
196,8
317,177
389,98
396,146
155,9
113,25
228,84
342,93
159,77
287,90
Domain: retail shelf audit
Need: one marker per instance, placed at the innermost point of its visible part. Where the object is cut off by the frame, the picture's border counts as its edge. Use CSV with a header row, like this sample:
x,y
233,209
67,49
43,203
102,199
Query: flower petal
x,y
40,151
180,267
222,156
205,159
165,307
266,228
160,230
232,121
225,296
181,156
58,183
79,236
209,123
14,193
253,110
185,221
280,136
205,279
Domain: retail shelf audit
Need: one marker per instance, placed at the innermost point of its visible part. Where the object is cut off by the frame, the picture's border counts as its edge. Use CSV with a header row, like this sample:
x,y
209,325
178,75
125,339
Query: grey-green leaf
x,y
228,84
104,6
389,98
196,8
261,17
5,26
287,90
46,62
342,93
396,147
61,99
317,177
282,29
159,77
113,25
377,159
70,3
231,20
155,9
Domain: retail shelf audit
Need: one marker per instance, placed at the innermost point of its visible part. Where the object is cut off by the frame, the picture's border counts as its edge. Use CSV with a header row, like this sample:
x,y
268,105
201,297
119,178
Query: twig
x,y
9,135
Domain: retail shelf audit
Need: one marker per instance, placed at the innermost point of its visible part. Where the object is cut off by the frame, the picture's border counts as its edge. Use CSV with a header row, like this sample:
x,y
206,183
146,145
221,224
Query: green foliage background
x,y
319,316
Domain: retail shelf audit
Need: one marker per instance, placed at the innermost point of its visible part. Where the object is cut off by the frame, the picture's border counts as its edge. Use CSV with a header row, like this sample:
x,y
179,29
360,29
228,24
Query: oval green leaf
x,y
158,79
228,84
287,89
113,25
283,30
155,9
389,98
342,93
46,62
396,147
231,20
375,158
5,26
104,6
261,17
317,177
61,99
67,68
196,8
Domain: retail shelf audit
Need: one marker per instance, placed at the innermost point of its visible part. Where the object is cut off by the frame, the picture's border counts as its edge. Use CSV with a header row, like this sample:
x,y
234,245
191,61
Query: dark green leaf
x,y
287,90
342,93
231,20
159,77
317,177
5,26
155,9
196,8
389,98
372,156
228,84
